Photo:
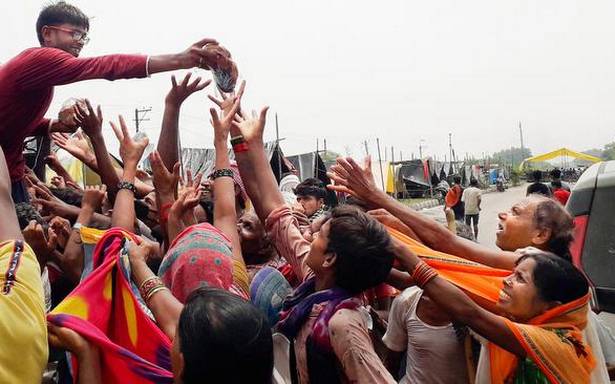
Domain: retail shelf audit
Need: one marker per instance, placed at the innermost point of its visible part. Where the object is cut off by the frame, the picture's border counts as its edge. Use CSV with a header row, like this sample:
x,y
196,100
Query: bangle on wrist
x,y
126,185
224,172
423,274
237,140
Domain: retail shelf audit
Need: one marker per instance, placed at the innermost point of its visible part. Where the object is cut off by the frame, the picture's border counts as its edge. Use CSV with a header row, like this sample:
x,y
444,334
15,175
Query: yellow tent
x,y
560,153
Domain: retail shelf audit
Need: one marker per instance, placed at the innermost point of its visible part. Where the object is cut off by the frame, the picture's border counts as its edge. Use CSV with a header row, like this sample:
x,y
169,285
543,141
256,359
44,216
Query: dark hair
x,y
311,187
224,339
362,246
457,179
555,278
537,175
556,183
26,213
59,13
67,195
556,173
551,215
473,182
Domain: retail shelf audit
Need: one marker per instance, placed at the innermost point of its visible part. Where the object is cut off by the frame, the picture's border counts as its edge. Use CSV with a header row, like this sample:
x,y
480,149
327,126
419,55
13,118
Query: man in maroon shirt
x,y
27,80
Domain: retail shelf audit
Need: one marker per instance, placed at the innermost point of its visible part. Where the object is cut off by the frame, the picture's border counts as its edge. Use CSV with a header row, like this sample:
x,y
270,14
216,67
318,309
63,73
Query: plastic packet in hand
x,y
224,69
67,111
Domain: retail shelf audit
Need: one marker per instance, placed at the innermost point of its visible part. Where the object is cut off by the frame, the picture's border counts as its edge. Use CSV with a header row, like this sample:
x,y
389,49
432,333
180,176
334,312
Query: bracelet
x,y
126,185
241,147
153,291
77,227
237,140
423,274
224,172
148,284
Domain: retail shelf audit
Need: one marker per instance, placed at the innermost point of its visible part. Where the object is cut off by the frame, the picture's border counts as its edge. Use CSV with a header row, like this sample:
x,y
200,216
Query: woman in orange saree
x,y
538,340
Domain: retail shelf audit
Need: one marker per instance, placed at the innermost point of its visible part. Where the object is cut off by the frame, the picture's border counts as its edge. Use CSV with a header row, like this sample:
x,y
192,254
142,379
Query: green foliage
x,y
607,153
514,155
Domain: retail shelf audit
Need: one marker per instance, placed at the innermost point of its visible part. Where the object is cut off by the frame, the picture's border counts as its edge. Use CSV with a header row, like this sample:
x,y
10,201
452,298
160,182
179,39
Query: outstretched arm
x,y
91,123
131,151
168,141
350,178
253,163
452,300
225,214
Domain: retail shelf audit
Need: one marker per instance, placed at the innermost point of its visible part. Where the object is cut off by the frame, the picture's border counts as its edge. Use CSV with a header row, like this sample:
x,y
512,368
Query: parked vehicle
x,y
592,203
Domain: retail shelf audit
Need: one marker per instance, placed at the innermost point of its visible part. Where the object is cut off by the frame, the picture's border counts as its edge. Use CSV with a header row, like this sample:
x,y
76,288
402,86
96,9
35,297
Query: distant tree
x,y
514,155
609,151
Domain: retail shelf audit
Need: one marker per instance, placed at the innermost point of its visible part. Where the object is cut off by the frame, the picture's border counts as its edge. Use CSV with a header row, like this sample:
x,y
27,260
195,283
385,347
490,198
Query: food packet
x,y
224,69
68,111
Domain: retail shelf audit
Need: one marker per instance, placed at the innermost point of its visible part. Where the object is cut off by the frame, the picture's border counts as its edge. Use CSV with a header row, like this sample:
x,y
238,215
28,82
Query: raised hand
x,y
353,179
50,203
130,150
228,99
230,107
90,121
179,93
250,128
77,145
93,196
164,181
187,200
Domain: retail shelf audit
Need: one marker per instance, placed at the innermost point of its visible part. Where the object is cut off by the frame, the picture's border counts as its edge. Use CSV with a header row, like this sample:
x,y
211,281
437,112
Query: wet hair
x,y
457,179
473,182
555,278
58,13
537,175
224,339
67,195
549,214
311,187
26,213
362,246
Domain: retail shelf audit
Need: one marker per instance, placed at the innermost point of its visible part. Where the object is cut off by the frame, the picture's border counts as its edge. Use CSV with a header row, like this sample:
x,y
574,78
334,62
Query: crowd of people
x,y
234,277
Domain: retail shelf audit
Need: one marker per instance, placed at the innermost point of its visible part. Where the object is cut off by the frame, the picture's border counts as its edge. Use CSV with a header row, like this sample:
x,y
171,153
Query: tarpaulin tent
x,y
384,176
202,160
310,165
562,152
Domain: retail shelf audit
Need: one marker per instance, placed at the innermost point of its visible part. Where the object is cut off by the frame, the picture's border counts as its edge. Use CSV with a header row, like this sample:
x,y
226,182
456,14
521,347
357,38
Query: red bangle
x,y
423,274
241,147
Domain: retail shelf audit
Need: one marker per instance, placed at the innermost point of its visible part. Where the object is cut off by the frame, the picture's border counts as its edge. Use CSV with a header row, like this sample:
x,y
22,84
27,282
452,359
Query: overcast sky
x,y
349,71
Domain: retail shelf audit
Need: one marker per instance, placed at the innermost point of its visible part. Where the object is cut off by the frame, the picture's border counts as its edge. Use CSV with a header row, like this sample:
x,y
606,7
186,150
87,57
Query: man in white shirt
x,y
471,199
434,352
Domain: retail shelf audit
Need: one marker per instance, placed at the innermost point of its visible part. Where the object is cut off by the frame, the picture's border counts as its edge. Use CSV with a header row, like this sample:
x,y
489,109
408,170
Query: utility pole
x,y
392,154
521,137
138,118
325,147
380,163
421,149
401,158
277,146
366,149
450,150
